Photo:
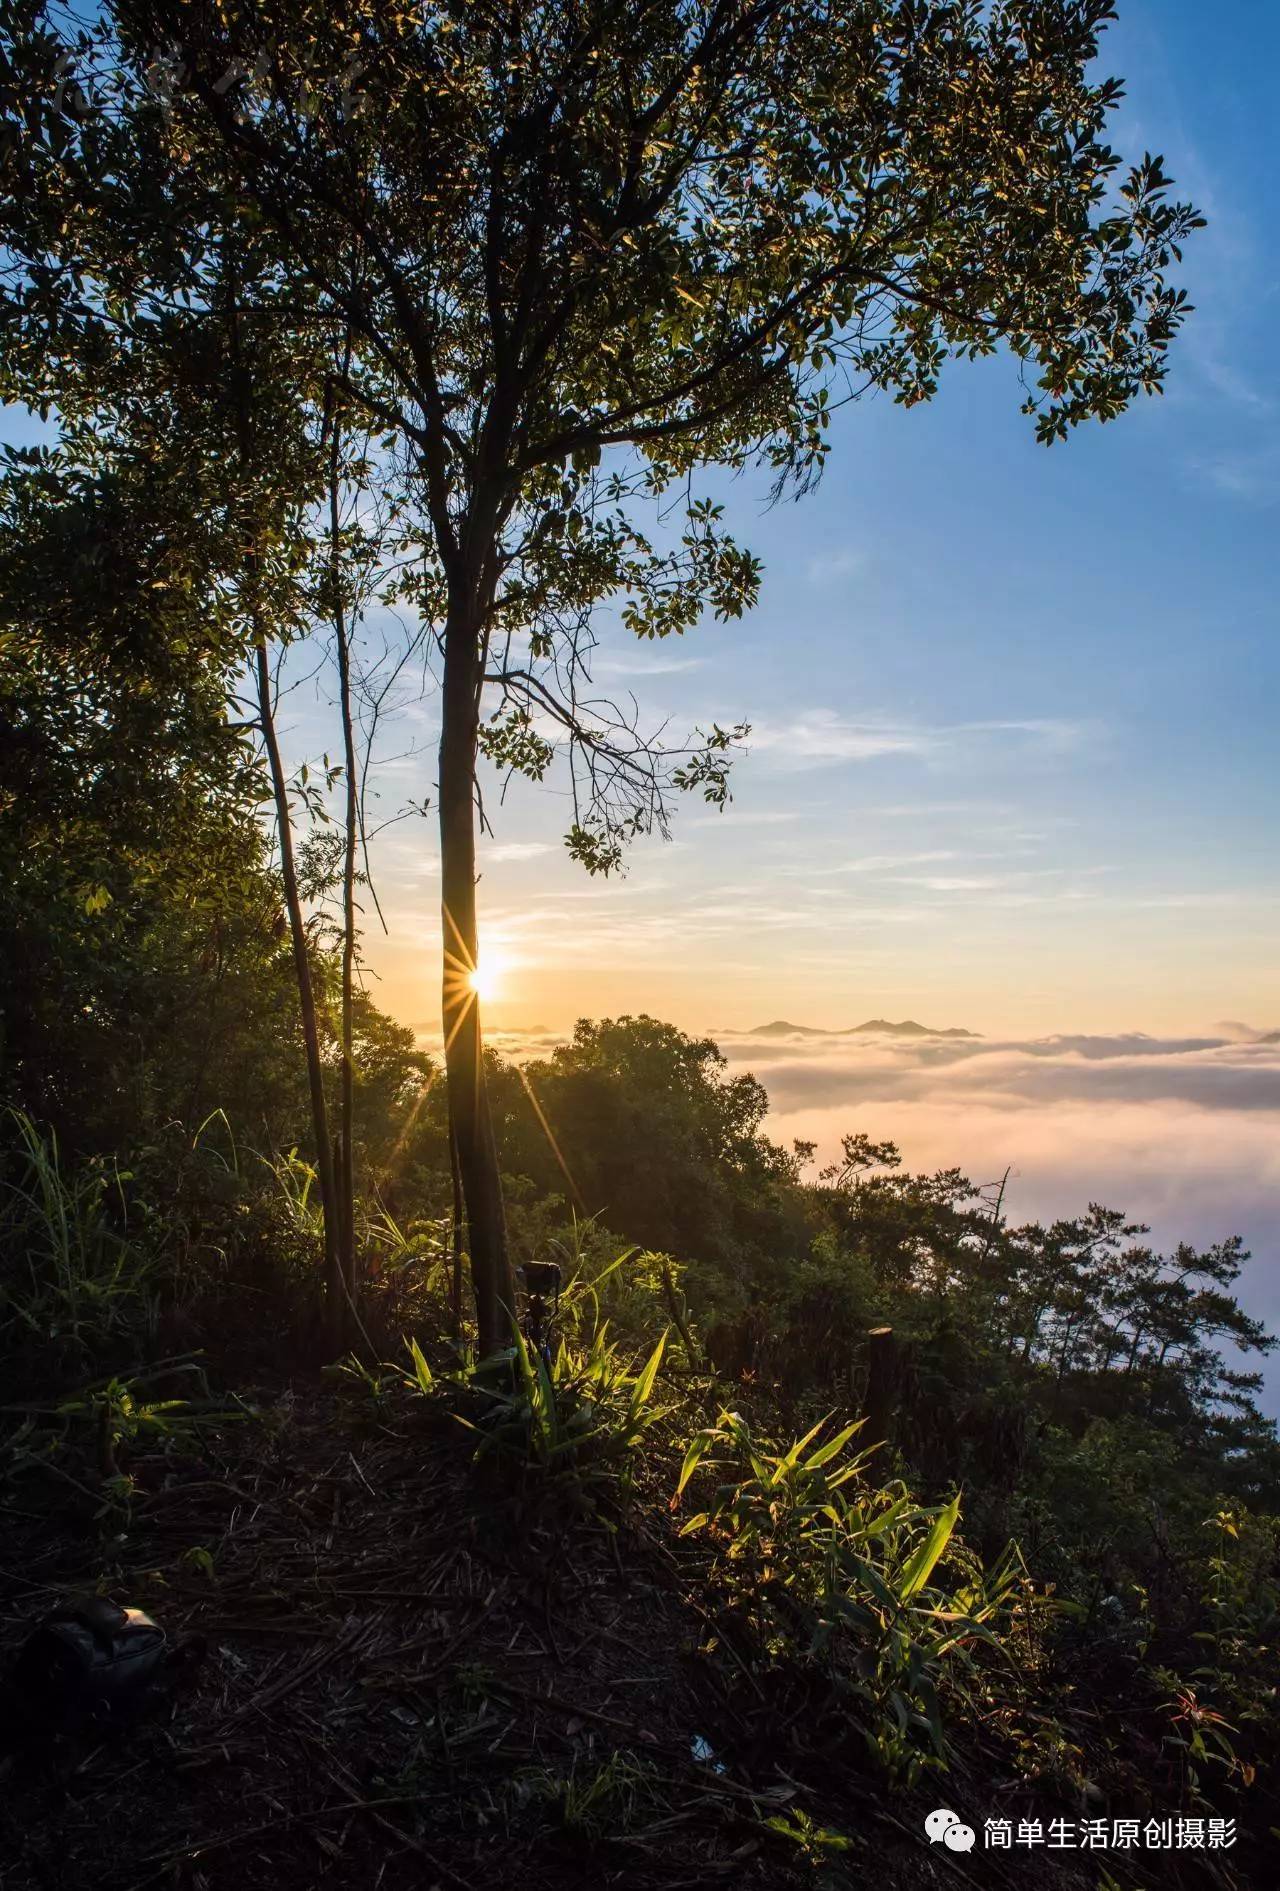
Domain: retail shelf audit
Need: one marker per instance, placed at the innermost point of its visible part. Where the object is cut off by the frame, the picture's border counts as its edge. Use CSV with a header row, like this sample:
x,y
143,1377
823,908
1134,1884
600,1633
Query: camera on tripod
x,y
542,1279
542,1284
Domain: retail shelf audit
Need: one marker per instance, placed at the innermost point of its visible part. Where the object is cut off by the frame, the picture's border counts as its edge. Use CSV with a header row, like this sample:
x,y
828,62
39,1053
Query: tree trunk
x,y
335,1297
491,1276
882,1387
345,1176
455,1264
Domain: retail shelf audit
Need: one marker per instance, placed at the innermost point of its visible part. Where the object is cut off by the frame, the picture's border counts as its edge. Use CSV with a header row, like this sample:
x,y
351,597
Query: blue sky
x,y
1013,761
1013,710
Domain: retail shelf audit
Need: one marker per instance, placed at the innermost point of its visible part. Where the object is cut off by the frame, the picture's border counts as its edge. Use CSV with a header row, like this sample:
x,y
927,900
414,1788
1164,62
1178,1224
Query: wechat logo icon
x,y
954,1833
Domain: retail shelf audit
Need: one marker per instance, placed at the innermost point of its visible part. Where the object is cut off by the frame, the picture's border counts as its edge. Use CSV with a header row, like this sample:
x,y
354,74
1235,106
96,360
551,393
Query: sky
x,y
1012,762
1012,751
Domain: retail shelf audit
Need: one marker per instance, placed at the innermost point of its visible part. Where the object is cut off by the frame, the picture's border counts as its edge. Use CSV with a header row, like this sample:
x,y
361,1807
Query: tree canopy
x,y
562,257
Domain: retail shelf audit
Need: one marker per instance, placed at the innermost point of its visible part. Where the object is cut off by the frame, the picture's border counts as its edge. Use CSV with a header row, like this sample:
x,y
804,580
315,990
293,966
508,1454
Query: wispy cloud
x,y
965,810
1226,347
506,851
891,863
820,736
746,817
1221,899
952,882
647,666
1059,734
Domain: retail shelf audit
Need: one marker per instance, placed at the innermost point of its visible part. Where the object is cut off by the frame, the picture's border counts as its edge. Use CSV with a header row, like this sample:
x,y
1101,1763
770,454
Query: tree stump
x,y
882,1386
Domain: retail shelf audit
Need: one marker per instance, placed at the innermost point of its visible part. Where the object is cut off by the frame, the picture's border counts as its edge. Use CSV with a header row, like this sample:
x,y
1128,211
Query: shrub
x,y
576,1418
830,1569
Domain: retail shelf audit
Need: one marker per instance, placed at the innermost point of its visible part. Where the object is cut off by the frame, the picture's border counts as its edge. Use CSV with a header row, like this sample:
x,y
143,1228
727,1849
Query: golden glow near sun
x,y
486,980
468,983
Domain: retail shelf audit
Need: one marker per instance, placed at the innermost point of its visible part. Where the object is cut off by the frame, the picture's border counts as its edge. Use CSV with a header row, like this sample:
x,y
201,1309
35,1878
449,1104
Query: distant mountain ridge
x,y
878,1027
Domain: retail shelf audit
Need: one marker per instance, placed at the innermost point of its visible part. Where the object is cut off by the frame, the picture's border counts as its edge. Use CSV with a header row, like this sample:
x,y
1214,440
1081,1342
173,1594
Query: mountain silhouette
x,y
877,1027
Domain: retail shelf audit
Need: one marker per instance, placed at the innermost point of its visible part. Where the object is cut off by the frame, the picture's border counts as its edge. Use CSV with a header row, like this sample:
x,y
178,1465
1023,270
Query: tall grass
x,y
70,1277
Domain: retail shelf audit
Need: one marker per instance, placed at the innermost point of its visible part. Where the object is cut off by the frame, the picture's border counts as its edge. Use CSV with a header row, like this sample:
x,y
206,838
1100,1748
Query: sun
x,y
469,982
486,980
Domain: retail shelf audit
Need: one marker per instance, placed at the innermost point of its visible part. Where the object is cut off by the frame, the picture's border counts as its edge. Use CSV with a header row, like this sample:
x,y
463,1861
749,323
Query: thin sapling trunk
x,y
335,1297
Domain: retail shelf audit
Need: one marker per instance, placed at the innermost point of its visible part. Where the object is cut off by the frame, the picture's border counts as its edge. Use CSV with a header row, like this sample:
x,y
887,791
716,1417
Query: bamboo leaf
x,y
421,1370
825,1453
922,1564
644,1384
693,1457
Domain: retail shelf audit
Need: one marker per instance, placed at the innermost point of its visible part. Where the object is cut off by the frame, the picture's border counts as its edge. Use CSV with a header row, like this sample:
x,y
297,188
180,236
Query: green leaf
x,y
793,1456
421,1370
921,1566
698,1449
826,1452
644,1384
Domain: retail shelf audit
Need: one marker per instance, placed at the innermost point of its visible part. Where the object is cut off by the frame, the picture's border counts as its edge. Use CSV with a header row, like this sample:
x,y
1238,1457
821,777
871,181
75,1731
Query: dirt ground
x,y
406,1676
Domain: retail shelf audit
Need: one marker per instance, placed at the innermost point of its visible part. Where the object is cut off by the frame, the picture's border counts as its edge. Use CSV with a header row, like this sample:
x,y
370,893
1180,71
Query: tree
x,y
150,978
584,248
146,977
639,1124
212,430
